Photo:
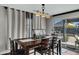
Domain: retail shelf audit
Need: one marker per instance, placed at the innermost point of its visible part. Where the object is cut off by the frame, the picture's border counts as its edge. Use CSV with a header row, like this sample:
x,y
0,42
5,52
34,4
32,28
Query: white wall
x,y
59,18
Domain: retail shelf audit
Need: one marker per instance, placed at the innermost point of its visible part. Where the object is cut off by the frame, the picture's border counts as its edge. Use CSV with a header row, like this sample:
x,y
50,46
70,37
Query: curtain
x,y
14,24
20,25
3,28
17,24
29,25
39,25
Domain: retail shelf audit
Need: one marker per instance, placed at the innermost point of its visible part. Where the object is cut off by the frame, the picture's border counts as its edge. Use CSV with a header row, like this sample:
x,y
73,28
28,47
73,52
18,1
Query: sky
x,y
76,23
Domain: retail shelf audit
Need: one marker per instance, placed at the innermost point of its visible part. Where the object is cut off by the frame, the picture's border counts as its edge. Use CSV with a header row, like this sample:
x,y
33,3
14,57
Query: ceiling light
x,y
42,13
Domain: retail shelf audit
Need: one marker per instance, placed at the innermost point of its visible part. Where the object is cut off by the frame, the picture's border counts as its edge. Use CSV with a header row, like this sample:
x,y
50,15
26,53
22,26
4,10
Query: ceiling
x,y
49,8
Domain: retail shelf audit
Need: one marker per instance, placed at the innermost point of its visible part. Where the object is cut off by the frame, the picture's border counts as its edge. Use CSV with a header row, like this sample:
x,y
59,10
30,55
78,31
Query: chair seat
x,y
20,52
41,50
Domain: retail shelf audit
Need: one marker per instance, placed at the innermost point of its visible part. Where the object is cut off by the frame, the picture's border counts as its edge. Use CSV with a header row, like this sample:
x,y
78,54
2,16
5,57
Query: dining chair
x,y
43,49
13,50
77,41
54,45
48,46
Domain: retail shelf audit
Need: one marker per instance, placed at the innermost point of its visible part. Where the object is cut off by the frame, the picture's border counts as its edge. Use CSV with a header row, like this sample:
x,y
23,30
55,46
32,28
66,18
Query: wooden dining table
x,y
28,44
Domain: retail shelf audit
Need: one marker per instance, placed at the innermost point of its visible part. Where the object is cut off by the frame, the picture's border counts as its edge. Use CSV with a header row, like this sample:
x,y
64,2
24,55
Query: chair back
x,y
45,42
11,45
53,42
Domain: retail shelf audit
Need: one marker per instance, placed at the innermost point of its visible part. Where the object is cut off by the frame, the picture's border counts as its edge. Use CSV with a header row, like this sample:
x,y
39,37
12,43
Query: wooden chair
x,y
48,46
44,48
13,50
77,41
54,45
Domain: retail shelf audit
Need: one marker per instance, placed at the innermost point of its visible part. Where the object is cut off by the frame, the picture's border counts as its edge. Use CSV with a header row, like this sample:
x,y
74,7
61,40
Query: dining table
x,y
28,44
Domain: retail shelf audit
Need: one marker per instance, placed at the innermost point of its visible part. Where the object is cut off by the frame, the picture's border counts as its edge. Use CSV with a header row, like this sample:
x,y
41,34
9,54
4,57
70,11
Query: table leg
x,y
16,46
60,47
57,49
52,47
34,51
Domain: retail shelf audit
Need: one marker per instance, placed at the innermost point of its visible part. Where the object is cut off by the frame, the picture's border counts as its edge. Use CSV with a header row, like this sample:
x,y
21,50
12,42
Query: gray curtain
x,y
3,29
17,24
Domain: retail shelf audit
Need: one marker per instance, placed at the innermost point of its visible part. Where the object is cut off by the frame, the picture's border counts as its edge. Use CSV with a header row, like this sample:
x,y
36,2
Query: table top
x,y
47,37
30,40
27,40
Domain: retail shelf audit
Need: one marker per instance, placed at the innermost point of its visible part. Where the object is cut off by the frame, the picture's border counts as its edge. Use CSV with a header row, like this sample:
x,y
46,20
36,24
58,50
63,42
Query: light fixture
x,y
42,13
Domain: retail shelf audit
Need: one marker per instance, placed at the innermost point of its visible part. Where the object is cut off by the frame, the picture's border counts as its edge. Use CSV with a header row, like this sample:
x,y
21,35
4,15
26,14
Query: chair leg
x,y
49,52
34,52
11,53
75,45
45,53
57,49
52,51
41,53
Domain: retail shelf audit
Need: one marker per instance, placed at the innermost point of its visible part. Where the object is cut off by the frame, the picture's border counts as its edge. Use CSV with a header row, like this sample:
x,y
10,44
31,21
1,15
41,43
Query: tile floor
x,y
65,51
